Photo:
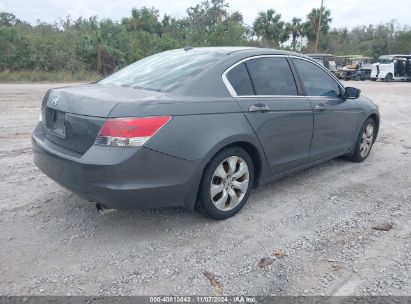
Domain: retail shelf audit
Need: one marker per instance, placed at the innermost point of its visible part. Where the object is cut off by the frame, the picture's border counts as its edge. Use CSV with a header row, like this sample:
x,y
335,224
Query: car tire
x,y
388,77
364,142
373,79
226,184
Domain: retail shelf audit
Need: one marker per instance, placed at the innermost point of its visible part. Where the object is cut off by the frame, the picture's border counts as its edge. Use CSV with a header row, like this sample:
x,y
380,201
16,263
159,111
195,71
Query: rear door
x,y
268,95
335,118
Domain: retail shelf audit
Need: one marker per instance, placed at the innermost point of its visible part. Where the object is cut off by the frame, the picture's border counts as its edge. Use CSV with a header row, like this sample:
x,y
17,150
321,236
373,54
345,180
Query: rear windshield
x,y
164,71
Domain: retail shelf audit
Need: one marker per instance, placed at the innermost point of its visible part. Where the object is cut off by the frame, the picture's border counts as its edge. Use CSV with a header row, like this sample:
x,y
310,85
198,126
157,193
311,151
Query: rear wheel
x,y
364,142
226,183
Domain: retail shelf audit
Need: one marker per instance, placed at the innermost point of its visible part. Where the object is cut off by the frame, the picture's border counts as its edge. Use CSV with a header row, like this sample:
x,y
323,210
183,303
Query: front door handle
x,y
258,107
320,107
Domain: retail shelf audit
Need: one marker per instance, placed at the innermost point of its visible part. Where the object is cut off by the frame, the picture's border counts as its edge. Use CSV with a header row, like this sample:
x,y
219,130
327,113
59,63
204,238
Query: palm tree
x,y
268,25
309,29
293,29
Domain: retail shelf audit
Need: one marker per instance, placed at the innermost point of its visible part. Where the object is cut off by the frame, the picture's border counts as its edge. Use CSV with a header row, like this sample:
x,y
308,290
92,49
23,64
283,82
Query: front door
x,y
335,118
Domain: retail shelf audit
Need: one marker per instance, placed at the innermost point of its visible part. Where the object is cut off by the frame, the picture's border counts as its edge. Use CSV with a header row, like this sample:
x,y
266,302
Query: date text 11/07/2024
x,y
203,299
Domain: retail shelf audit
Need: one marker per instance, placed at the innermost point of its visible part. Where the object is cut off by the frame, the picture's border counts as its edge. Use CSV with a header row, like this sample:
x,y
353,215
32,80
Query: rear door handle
x,y
320,107
258,107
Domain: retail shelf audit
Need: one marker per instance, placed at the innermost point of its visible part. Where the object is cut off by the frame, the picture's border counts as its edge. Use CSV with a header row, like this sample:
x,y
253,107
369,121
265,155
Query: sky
x,y
345,13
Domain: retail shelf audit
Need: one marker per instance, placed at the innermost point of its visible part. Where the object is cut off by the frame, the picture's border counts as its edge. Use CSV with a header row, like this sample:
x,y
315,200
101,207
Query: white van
x,y
392,67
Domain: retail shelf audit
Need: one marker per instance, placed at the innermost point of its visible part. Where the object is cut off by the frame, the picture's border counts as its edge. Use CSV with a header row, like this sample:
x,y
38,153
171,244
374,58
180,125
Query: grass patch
x,y
48,76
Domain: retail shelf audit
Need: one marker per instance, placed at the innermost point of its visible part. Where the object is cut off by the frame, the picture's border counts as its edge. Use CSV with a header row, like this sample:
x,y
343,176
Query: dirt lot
x,y
317,222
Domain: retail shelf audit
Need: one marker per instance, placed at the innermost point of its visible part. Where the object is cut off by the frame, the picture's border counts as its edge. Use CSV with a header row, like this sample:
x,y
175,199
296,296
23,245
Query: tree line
x,y
105,45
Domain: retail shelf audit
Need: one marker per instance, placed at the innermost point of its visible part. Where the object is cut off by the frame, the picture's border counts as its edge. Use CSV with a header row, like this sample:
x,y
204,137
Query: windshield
x,y
385,60
164,71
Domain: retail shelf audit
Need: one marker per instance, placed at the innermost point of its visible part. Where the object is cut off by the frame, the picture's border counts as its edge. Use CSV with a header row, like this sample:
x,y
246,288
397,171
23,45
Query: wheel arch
x,y
249,145
388,77
373,115
376,118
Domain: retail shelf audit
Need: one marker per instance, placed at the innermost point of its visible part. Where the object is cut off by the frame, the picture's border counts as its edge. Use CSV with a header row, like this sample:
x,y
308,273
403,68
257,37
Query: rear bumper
x,y
120,178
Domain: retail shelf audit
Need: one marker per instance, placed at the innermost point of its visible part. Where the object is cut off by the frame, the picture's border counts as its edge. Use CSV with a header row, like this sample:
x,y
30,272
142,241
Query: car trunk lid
x,y
73,116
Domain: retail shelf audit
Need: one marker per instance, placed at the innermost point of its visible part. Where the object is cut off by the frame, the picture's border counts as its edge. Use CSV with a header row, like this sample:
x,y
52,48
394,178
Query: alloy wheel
x,y
229,183
366,140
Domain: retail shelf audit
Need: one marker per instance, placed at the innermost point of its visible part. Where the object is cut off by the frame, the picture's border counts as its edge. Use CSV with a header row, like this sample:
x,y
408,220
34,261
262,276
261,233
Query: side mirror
x,y
352,93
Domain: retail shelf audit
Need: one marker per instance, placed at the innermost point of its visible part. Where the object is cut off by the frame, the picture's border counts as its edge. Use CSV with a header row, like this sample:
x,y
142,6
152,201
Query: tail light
x,y
130,131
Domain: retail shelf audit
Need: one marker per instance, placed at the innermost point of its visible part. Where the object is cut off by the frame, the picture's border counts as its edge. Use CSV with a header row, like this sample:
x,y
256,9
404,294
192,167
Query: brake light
x,y
130,131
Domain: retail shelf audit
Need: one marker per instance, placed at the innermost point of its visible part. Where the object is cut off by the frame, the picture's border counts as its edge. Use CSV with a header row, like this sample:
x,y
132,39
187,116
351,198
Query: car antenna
x,y
188,47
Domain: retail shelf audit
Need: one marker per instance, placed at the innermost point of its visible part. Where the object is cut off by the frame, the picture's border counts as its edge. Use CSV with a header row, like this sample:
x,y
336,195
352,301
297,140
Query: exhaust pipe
x,y
103,210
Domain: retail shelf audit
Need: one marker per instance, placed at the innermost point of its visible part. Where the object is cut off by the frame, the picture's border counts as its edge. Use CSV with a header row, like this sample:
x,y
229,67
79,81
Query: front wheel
x,y
388,77
226,183
364,142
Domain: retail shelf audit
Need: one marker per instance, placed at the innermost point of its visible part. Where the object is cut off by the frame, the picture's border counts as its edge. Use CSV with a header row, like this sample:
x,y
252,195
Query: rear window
x,y
164,71
271,76
240,81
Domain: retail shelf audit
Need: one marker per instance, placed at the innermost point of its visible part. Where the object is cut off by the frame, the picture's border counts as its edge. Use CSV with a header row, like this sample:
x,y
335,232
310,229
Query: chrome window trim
x,y
231,90
233,93
270,96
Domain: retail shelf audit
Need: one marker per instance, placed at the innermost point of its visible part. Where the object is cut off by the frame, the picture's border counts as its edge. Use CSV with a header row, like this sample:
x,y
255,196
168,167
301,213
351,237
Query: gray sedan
x,y
199,127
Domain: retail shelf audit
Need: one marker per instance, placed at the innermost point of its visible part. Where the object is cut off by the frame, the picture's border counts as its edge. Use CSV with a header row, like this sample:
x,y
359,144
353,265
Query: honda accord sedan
x,y
199,127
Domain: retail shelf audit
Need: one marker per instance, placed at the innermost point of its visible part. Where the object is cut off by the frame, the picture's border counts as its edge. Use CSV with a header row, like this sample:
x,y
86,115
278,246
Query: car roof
x,y
236,49
395,55
218,49
319,55
209,81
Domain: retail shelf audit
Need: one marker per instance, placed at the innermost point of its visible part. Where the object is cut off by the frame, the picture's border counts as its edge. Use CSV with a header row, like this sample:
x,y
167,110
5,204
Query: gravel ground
x,y
315,227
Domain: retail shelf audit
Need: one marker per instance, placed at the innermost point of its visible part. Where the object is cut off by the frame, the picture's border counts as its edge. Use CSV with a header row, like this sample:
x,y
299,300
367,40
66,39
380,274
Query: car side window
x,y
316,81
271,76
240,80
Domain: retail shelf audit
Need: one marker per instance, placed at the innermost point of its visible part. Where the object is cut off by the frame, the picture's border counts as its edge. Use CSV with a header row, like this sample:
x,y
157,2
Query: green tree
x,y
383,38
8,19
103,45
91,45
202,19
402,42
144,19
309,28
209,23
230,31
14,49
293,29
269,26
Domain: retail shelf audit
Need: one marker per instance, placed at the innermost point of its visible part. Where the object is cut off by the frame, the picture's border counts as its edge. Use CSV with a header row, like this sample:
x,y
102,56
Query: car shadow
x,y
156,223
